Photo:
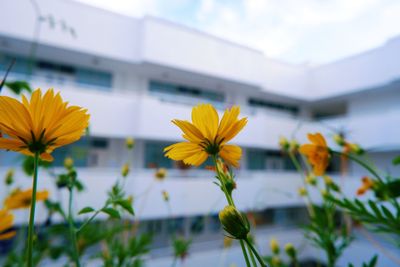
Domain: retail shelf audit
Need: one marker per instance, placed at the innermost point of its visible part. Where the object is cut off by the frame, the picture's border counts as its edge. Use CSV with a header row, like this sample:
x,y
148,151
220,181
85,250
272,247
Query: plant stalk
x,y
32,212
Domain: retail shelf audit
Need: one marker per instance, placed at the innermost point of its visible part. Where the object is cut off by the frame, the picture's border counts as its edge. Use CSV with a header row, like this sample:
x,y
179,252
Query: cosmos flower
x,y
317,153
207,136
40,125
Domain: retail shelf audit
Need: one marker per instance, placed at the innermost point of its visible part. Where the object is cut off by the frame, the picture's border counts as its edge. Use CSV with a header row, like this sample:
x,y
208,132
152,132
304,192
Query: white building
x,y
135,75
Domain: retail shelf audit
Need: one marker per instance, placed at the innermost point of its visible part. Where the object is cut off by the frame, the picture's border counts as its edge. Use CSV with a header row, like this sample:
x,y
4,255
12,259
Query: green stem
x,y
32,212
230,201
300,170
246,257
72,231
90,219
360,162
260,260
253,260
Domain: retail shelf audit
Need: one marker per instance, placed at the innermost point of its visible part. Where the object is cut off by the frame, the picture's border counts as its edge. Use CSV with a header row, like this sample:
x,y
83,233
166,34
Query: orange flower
x,y
6,222
367,184
22,199
317,153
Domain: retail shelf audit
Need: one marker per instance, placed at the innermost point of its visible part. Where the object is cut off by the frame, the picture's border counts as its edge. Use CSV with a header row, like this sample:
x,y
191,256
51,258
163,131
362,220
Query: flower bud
x,y
284,143
302,191
290,250
276,261
160,174
125,170
294,146
311,179
68,163
234,222
356,149
339,140
165,195
274,245
129,142
9,178
324,193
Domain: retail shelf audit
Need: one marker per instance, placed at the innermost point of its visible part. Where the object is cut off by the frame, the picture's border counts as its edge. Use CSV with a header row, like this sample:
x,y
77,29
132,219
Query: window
x,y
273,105
78,151
154,155
57,73
256,159
185,91
197,225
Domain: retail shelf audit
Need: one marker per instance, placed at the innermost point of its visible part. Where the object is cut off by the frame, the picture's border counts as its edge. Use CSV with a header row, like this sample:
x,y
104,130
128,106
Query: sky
x,y
295,31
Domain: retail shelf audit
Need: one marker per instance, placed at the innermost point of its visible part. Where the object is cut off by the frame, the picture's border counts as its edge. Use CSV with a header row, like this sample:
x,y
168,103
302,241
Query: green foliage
x,y
396,160
86,210
126,254
371,263
181,246
324,233
18,87
28,165
379,216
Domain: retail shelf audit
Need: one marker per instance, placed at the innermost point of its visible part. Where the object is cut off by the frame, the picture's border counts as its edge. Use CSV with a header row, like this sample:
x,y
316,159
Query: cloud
x,y
297,31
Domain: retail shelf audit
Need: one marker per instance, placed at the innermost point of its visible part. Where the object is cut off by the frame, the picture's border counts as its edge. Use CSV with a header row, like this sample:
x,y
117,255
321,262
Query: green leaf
x,y
111,212
126,205
375,209
18,86
396,160
86,210
387,213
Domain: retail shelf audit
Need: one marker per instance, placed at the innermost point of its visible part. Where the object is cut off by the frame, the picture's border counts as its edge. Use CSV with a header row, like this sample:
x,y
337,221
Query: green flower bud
x,y
68,163
125,170
290,250
339,140
273,243
129,142
284,144
9,178
234,222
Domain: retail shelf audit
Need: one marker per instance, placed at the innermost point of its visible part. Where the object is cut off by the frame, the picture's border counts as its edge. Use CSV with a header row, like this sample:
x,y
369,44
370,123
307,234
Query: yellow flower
x,y
22,199
206,136
317,153
160,174
367,184
6,222
40,125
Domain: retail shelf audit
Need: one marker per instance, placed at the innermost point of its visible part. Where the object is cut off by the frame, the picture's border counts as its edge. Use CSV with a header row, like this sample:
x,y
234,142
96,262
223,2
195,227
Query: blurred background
x,y
293,67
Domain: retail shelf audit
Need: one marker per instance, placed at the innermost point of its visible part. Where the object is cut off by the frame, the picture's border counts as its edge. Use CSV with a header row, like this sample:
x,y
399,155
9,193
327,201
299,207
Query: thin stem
x,y
72,231
88,221
360,162
32,212
300,170
246,257
253,260
260,260
230,201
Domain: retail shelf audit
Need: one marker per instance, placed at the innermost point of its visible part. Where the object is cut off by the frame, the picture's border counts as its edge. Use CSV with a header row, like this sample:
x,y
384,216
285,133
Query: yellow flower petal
x,y
231,154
